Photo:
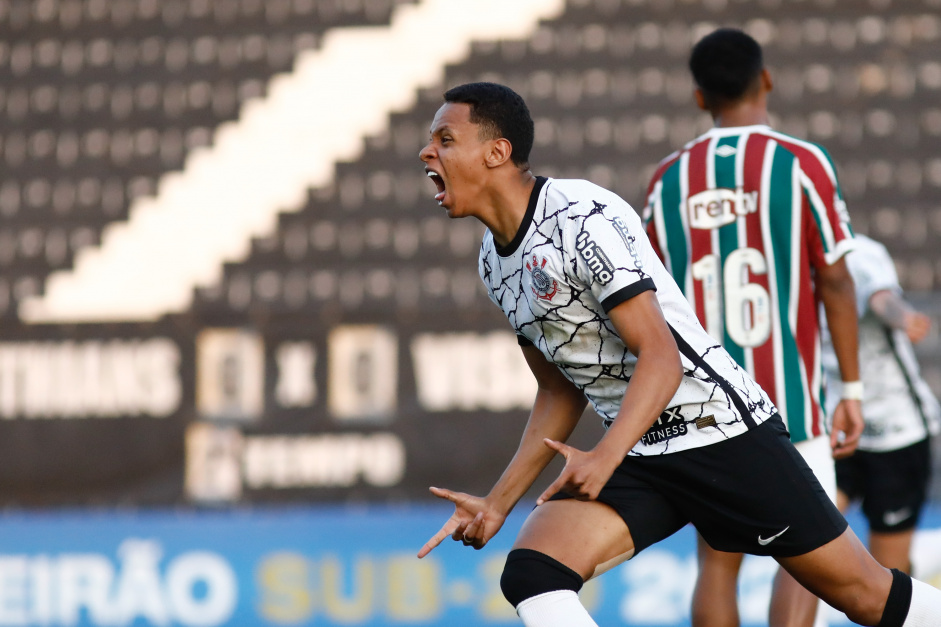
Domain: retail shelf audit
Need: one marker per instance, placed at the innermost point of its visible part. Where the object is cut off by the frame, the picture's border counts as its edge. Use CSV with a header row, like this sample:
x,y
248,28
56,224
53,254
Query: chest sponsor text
x,y
713,208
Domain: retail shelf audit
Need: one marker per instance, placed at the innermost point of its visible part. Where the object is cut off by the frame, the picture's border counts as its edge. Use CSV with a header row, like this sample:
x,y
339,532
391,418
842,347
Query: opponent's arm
x,y
835,289
656,377
556,410
896,313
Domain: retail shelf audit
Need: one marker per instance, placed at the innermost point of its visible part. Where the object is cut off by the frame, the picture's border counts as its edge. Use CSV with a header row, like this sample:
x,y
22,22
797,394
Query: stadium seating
x,y
100,98
608,87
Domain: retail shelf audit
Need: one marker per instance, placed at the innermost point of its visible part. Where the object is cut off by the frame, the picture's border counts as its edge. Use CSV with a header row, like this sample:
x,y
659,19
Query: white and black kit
x,y
889,472
581,251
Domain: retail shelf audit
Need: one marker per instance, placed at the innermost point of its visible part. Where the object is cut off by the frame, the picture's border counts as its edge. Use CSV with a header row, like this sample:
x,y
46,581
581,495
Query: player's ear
x,y
500,152
700,99
766,81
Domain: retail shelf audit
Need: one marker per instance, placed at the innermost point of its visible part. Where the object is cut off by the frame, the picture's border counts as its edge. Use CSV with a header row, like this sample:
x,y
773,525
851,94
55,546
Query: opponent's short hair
x,y
725,64
500,112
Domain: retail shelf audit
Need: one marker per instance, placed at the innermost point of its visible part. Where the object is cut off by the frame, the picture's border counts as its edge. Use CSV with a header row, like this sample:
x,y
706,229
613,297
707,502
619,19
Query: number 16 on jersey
x,y
746,305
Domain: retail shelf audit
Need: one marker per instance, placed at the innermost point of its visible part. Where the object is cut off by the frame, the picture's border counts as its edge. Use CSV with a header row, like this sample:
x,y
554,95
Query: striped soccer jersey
x,y
740,217
581,251
898,406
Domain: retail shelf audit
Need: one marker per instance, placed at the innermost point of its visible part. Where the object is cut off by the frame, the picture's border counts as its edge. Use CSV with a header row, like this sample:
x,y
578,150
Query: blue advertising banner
x,y
311,566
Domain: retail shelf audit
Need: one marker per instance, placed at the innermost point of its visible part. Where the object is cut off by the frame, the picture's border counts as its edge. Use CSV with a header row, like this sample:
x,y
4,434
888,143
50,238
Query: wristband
x,y
852,390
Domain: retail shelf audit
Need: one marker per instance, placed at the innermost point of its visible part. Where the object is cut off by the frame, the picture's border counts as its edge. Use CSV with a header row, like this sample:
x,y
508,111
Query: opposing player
x,y
690,436
890,471
751,224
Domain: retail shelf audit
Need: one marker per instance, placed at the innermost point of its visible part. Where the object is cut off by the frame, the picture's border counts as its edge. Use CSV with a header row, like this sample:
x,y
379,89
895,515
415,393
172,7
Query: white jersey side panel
x,y
584,252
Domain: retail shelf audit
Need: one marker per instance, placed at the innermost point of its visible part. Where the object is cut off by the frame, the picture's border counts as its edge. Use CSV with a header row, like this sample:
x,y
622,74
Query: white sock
x,y
560,608
925,610
820,620
926,554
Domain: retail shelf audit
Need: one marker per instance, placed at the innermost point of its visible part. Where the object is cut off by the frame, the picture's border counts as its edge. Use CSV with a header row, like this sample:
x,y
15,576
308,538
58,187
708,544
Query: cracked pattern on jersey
x,y
578,254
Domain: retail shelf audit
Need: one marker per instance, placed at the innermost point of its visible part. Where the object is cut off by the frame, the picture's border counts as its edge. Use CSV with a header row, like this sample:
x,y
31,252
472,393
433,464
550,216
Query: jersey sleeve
x,y
610,252
648,218
873,270
829,218
650,226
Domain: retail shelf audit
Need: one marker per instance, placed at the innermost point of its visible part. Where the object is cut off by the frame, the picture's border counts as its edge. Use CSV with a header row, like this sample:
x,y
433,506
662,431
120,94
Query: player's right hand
x,y
584,474
847,427
473,522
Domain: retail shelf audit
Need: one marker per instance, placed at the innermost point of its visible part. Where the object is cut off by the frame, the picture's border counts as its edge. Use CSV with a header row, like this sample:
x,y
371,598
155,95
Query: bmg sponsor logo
x,y
595,258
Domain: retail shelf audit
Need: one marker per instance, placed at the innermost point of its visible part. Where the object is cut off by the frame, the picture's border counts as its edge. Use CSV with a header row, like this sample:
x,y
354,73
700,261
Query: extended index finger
x,y
447,495
556,486
560,447
436,539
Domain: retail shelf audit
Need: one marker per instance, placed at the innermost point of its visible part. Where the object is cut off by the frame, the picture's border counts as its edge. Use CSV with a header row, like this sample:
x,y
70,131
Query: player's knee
x,y
530,573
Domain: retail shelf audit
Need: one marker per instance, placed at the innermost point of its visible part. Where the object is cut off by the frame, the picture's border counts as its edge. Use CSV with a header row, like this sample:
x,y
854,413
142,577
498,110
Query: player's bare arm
x,y
896,313
556,410
834,286
640,324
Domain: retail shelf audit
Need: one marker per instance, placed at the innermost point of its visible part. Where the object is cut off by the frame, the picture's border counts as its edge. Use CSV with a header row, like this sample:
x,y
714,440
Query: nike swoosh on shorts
x,y
767,541
893,518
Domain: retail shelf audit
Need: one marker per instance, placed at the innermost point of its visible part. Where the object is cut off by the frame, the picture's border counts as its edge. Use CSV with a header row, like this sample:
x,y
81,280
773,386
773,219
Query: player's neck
x,y
745,113
505,206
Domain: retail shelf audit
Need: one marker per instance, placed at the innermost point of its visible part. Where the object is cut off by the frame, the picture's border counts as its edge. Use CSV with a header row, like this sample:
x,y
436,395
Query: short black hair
x,y
725,64
500,112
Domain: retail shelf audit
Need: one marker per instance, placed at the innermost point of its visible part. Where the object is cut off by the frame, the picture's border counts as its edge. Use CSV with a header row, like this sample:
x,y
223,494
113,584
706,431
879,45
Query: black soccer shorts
x,y
752,493
892,485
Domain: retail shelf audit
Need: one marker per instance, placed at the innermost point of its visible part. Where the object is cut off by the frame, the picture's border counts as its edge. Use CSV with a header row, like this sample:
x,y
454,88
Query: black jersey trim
x,y
514,244
699,362
626,293
522,340
909,382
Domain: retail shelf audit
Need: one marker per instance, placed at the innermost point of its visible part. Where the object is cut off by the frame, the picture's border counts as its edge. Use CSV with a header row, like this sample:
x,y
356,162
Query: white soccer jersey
x,y
898,406
580,251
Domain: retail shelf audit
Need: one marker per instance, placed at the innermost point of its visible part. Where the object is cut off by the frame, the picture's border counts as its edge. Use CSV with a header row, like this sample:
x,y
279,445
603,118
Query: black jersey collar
x,y
509,249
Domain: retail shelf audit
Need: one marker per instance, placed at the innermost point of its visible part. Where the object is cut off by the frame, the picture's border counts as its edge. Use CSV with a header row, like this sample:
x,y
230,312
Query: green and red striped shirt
x,y
740,217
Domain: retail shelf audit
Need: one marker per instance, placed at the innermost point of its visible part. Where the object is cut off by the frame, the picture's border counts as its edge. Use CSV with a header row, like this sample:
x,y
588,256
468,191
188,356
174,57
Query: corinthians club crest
x,y
543,285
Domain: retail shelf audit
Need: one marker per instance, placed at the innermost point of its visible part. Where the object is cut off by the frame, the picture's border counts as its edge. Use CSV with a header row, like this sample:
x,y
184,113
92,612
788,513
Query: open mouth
x,y
439,183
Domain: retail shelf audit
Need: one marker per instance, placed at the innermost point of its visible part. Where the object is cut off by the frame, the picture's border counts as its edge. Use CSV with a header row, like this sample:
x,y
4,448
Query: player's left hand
x,y
917,326
584,475
847,427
